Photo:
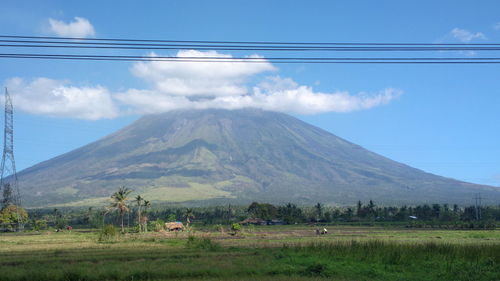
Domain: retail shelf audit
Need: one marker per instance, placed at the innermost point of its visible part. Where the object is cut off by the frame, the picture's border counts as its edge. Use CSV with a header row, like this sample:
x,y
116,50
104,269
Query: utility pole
x,y
477,198
479,206
8,167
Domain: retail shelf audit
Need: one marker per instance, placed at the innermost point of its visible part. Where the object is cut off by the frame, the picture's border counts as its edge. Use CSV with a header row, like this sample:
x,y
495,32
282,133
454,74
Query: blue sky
x,y
442,119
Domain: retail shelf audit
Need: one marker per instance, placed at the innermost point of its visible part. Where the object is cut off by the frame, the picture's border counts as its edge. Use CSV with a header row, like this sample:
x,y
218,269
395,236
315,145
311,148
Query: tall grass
x,y
382,260
202,243
156,257
401,252
203,259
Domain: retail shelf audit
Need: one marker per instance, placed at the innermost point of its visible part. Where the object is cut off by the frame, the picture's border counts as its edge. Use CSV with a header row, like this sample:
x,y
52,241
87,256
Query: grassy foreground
x,y
265,253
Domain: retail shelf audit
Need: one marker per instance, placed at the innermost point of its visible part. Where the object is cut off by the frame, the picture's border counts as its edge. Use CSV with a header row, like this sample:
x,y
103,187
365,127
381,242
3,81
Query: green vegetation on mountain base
x,y
195,191
192,191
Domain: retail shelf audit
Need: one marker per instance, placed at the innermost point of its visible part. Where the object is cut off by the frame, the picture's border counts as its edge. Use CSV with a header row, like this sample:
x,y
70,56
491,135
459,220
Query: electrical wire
x,y
246,42
46,43
255,60
84,45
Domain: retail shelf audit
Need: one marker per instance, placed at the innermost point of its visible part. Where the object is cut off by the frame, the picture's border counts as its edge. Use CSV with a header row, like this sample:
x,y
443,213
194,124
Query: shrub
x,y
159,224
236,227
40,225
194,242
219,228
9,215
108,233
315,269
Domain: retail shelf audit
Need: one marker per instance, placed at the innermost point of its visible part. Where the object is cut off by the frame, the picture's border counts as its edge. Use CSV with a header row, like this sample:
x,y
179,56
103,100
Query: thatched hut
x,y
174,226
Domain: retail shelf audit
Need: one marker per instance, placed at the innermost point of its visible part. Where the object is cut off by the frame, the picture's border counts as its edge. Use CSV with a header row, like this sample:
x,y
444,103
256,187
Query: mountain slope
x,y
240,155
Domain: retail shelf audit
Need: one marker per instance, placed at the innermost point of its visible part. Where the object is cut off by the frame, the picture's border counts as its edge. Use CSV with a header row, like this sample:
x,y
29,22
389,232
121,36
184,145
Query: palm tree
x,y
188,215
147,204
138,200
119,203
319,211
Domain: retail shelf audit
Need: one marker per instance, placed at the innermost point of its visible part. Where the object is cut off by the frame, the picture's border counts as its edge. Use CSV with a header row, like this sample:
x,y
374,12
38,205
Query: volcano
x,y
234,156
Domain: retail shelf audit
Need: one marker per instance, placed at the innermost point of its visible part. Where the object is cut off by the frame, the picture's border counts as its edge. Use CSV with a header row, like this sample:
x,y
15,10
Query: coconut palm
x,y
138,201
189,215
119,202
147,204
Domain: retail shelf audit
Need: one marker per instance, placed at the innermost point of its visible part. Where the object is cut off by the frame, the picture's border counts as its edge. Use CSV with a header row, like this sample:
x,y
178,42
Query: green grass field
x,y
259,253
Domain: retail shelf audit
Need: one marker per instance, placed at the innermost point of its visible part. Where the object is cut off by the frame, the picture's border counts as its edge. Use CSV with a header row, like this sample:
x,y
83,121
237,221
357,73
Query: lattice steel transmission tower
x,y
8,179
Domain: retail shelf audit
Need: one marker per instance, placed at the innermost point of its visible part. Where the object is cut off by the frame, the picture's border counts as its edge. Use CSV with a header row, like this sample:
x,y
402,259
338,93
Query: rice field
x,y
258,253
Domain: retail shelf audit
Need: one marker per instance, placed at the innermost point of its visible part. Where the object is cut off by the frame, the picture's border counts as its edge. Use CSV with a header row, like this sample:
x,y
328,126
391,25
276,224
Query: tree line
x,y
139,214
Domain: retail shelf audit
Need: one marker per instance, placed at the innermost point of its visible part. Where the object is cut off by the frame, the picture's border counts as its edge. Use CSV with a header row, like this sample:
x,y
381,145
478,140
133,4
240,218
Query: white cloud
x,y
200,78
304,100
181,85
189,85
45,96
148,102
275,94
466,36
80,27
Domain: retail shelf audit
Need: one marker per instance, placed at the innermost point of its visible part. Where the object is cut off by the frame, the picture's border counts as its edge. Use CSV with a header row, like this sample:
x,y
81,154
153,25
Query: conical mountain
x,y
234,156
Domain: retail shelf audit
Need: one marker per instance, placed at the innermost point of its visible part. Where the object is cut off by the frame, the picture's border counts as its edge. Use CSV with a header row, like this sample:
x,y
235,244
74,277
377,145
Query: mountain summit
x,y
240,156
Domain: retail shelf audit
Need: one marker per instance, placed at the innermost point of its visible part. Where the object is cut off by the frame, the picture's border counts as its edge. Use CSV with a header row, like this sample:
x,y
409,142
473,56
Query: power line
x,y
102,43
84,45
332,60
291,46
252,58
46,43
246,42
